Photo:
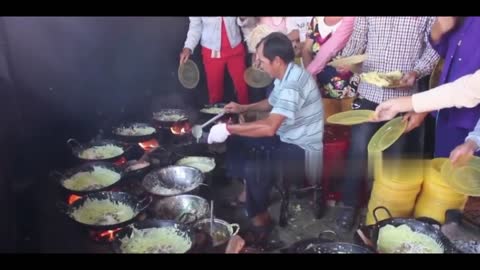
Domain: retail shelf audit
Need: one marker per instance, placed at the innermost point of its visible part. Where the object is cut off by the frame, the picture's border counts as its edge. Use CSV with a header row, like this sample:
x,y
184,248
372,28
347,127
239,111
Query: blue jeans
x,y
257,160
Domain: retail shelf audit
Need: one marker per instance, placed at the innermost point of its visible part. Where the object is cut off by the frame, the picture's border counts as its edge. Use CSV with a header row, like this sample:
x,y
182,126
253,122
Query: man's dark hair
x,y
277,44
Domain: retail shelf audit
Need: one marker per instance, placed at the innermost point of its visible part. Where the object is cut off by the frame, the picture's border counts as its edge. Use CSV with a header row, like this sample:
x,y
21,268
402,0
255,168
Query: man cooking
x,y
294,128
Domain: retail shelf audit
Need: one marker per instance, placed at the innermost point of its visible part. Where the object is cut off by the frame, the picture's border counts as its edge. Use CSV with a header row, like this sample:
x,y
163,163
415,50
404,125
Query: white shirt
x,y
300,24
207,31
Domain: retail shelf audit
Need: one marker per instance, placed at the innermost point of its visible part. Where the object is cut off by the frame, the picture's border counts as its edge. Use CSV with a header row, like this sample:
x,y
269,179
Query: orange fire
x,y
73,198
149,145
181,128
121,161
108,235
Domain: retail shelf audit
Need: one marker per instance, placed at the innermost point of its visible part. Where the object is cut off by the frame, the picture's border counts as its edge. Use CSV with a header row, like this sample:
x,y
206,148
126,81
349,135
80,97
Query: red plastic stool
x,y
336,141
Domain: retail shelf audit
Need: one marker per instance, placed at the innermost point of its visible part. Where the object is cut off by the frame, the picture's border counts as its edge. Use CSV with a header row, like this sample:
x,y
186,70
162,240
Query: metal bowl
x,y
222,230
172,180
184,209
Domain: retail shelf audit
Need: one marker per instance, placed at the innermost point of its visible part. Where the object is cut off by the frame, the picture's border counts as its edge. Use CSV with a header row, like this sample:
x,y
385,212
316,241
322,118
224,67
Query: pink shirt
x,y
332,46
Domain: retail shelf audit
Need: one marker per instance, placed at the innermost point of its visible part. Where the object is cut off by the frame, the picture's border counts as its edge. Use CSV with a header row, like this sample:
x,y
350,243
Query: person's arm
x,y
337,42
474,136
464,152
194,33
261,106
463,92
425,64
358,40
287,102
307,52
260,128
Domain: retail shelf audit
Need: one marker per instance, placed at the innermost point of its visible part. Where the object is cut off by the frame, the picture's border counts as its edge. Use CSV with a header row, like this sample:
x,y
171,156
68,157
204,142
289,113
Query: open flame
x,y
105,236
149,145
72,198
120,161
181,128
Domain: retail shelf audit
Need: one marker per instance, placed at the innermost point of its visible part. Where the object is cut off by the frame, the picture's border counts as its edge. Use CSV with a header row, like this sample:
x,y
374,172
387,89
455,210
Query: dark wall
x,y
63,77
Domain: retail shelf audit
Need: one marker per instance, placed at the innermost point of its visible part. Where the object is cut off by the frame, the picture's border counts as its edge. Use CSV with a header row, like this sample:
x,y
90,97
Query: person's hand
x,y
408,80
184,55
445,24
414,120
463,153
387,110
218,133
233,107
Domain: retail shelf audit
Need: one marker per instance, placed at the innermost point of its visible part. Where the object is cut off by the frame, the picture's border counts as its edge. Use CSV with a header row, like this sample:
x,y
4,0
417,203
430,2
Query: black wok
x,y
78,148
323,245
60,178
138,206
161,117
116,132
185,231
425,226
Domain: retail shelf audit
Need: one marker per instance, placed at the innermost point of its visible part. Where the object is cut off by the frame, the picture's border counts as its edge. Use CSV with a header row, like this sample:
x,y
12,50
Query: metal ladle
x,y
197,130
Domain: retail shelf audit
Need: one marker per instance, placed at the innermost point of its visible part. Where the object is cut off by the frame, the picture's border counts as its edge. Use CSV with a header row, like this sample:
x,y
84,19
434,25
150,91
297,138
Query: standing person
x,y
391,43
222,47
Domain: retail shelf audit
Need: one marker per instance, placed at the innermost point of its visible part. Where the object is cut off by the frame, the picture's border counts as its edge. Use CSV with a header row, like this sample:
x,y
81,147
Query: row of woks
x,y
412,188
181,210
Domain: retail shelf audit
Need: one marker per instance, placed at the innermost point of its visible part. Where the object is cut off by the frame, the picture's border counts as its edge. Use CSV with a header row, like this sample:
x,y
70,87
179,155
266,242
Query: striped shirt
x,y
392,43
297,98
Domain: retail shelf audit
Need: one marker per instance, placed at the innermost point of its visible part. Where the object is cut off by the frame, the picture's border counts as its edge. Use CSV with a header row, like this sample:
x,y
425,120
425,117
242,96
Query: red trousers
x,y
215,74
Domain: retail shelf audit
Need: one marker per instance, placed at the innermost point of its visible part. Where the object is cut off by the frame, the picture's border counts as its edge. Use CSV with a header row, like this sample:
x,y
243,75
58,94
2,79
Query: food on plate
x,y
389,79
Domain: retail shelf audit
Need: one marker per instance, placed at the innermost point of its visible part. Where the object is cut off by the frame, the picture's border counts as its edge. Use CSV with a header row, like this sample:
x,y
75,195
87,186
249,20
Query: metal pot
x,y
186,209
136,204
172,180
78,148
116,132
325,245
222,230
183,230
425,226
60,178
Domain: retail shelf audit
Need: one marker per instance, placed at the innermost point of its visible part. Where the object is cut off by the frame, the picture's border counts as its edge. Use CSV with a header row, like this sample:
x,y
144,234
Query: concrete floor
x,y
302,223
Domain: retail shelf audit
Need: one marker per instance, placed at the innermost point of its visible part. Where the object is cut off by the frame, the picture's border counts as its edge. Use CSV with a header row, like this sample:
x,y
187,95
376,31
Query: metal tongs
x,y
197,130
